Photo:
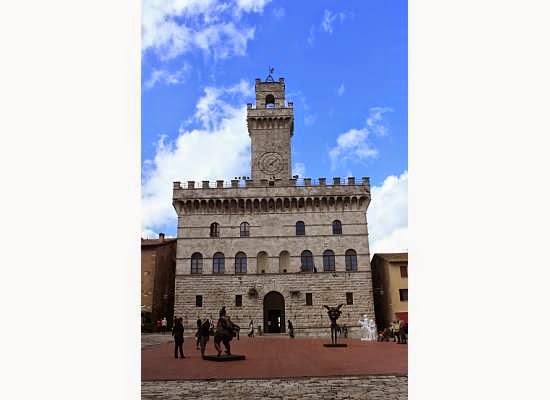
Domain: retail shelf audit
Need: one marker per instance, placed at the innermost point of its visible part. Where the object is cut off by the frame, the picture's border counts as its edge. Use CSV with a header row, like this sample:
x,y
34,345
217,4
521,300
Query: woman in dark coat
x,y
177,332
290,329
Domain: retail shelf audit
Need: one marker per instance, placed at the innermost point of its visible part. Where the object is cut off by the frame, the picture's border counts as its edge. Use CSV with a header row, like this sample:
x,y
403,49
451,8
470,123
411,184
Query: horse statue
x,y
333,313
225,331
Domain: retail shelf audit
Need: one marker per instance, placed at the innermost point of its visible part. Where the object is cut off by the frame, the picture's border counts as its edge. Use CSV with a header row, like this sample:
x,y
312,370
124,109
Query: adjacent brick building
x,y
272,247
158,267
390,281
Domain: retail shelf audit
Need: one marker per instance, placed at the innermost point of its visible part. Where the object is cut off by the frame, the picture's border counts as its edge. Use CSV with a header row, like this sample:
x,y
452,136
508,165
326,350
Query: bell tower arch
x,y
270,127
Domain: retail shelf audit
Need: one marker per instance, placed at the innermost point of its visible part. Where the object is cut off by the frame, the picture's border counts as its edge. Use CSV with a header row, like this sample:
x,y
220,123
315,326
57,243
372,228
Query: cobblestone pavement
x,y
345,387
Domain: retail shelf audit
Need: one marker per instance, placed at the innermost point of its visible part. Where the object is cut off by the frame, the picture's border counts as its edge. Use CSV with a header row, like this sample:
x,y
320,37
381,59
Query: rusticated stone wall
x,y
325,287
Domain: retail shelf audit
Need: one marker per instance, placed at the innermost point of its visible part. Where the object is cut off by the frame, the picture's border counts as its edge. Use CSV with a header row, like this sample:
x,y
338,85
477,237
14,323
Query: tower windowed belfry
x,y
270,126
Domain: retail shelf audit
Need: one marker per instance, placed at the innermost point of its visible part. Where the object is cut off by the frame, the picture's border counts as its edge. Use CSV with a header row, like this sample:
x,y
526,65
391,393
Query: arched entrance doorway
x,y
274,313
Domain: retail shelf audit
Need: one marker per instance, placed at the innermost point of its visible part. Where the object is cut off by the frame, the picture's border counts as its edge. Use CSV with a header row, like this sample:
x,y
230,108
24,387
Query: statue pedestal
x,y
335,345
224,357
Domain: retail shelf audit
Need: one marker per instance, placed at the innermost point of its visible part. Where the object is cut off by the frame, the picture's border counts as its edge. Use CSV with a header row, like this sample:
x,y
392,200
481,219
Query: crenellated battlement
x,y
295,195
249,183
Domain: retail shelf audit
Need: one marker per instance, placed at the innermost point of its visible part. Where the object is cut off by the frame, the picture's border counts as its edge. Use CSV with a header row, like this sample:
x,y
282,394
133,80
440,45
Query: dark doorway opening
x,y
274,313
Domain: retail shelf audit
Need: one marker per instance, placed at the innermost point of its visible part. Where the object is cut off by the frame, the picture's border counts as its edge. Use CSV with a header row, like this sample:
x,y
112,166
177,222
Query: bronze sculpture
x,y
225,331
334,313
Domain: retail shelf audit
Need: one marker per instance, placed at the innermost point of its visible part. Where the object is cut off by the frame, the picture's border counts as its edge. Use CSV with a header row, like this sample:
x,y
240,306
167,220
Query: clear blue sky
x,y
345,66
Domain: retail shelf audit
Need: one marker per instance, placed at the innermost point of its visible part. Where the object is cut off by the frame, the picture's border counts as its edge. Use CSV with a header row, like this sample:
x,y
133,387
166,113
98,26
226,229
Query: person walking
x,y
290,330
402,333
251,329
204,335
199,324
395,330
177,332
163,324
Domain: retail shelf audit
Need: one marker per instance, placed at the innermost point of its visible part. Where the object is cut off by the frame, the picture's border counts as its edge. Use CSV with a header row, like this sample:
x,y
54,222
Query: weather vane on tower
x,y
270,77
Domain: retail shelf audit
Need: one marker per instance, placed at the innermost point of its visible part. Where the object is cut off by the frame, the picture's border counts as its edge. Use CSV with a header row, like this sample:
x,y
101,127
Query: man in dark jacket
x,y
177,332
204,335
199,323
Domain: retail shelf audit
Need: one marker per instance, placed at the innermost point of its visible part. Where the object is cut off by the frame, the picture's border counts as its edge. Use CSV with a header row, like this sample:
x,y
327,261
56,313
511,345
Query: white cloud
x,y
351,145
355,144
161,76
173,27
340,90
328,20
374,120
387,215
218,149
252,5
299,169
211,111
223,40
149,234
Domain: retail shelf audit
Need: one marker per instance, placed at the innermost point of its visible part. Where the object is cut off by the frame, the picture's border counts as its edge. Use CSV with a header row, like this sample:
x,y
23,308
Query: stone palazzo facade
x,y
272,247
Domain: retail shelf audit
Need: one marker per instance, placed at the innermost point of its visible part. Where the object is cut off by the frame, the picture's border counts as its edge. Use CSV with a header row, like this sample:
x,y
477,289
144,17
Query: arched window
x,y
196,263
245,229
336,227
262,262
269,101
240,263
215,230
351,260
307,261
328,261
300,228
284,261
218,263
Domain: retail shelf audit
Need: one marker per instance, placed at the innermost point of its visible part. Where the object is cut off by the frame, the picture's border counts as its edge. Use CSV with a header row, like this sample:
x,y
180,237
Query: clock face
x,y
271,163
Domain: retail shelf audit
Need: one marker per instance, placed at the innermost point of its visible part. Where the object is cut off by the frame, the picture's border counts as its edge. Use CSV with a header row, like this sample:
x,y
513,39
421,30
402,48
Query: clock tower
x,y
270,126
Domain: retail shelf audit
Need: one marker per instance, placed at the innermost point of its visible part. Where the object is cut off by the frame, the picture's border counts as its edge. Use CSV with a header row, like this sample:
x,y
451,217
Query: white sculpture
x,y
372,330
365,327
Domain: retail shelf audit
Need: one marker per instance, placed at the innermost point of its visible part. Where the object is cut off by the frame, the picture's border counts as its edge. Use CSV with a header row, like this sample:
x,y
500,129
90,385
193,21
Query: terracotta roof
x,y
393,257
156,242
